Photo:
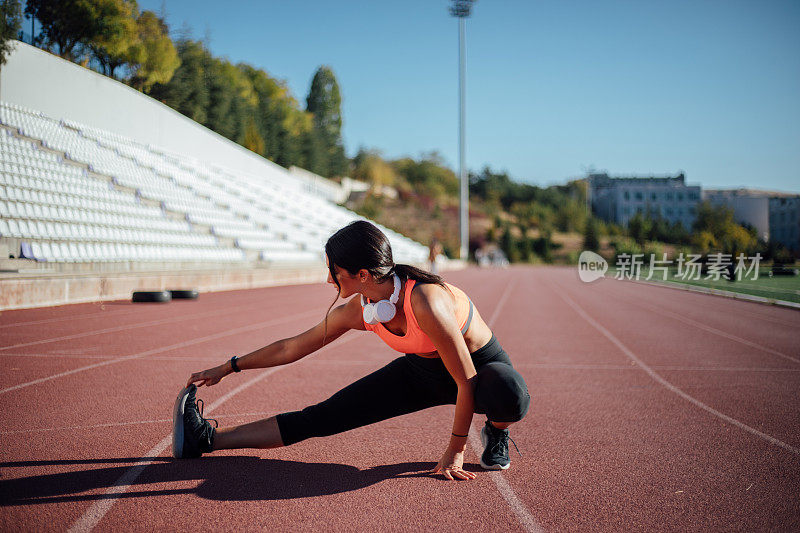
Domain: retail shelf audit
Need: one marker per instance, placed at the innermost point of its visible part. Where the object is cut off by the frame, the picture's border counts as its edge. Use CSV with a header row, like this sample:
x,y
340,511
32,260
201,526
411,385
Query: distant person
x,y
434,249
451,357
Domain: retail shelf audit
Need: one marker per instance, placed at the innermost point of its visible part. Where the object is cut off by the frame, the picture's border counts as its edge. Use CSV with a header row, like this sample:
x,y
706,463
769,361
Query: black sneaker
x,y
192,435
495,448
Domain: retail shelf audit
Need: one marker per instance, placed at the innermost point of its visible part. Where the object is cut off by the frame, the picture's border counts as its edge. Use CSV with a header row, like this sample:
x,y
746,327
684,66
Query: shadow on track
x,y
238,478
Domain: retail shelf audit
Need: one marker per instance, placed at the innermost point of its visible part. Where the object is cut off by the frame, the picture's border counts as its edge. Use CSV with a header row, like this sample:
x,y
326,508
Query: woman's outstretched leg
x,y
386,393
259,434
193,435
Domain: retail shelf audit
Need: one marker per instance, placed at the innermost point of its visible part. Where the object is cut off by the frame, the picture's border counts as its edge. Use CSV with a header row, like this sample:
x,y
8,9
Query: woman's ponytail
x,y
417,274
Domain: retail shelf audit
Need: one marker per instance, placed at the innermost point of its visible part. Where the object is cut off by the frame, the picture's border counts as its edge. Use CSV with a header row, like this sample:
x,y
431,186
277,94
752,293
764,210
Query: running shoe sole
x,y
484,441
177,424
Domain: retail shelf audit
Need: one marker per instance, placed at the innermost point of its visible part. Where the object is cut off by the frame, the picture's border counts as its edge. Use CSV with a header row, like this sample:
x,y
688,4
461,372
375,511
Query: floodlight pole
x,y
461,10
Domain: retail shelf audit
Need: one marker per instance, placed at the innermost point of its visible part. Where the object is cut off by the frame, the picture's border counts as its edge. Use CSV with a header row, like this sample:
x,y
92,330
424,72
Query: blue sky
x,y
553,87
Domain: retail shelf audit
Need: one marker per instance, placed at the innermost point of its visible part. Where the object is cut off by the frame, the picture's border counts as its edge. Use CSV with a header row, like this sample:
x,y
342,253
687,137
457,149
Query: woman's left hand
x,y
451,466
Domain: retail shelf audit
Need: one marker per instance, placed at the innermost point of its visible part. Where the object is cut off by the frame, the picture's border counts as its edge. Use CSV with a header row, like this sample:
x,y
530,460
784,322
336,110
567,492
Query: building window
x,y
653,196
680,196
627,195
639,196
669,196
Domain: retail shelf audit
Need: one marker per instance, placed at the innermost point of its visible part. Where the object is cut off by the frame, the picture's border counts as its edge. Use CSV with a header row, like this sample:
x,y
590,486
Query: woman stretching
x,y
451,357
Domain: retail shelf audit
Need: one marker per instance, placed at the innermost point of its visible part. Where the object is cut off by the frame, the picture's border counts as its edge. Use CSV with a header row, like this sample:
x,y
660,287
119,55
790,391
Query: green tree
x,y
638,227
677,234
570,215
525,246
716,230
67,24
298,145
186,92
428,176
312,154
324,102
705,241
508,245
590,240
115,47
288,133
154,58
659,228
10,24
272,105
369,166
222,114
252,139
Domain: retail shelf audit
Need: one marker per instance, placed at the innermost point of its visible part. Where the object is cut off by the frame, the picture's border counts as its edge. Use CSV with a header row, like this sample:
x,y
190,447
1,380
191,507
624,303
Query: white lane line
x,y
92,516
176,359
57,356
105,314
184,344
501,303
724,369
707,328
115,329
180,318
578,309
505,489
576,366
706,304
108,313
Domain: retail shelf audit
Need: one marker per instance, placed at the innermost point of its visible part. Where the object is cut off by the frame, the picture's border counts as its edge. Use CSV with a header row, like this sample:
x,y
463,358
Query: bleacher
x,y
72,194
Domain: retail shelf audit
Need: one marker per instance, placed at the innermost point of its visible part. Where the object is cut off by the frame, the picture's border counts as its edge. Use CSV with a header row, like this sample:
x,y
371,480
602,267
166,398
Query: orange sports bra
x,y
415,340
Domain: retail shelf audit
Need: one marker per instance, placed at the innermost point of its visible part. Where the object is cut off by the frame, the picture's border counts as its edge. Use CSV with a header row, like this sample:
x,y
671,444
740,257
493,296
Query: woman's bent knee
x,y
501,393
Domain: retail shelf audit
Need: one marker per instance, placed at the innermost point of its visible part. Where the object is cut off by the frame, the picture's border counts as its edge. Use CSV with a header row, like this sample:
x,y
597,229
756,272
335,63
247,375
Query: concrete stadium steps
x,y
77,193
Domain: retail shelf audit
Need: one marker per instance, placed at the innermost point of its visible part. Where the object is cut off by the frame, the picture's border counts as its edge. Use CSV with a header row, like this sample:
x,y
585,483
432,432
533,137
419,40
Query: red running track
x,y
654,409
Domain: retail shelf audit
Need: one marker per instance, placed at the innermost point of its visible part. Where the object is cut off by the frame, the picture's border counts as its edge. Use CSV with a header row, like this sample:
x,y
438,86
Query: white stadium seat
x,y
223,213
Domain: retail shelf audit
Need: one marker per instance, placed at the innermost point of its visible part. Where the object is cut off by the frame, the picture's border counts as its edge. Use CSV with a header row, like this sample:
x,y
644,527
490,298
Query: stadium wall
x,y
24,292
60,89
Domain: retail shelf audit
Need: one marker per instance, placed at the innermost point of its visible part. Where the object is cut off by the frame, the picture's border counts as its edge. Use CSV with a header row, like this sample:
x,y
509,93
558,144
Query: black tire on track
x,y
151,296
188,294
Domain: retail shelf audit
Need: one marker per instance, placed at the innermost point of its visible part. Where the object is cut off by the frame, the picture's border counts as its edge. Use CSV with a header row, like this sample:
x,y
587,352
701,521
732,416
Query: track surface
x,y
653,409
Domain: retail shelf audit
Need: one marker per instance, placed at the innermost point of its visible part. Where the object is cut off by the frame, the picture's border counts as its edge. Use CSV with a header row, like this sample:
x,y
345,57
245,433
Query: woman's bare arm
x,y
435,312
340,320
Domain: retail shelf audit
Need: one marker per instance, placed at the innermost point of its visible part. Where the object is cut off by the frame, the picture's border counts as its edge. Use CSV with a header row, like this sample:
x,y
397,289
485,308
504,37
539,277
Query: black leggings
x,y
411,383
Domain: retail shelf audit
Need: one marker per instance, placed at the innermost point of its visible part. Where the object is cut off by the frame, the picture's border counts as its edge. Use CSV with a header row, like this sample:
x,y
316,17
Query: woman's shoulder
x,y
352,313
427,296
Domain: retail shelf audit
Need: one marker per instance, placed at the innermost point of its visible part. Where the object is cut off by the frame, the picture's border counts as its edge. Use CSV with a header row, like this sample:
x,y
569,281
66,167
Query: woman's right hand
x,y
209,377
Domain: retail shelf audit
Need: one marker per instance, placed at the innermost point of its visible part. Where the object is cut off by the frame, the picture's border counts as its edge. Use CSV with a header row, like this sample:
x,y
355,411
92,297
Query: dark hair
x,y
362,245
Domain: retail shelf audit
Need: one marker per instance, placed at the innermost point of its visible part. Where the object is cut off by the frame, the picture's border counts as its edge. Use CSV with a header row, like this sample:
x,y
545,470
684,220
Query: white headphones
x,y
384,310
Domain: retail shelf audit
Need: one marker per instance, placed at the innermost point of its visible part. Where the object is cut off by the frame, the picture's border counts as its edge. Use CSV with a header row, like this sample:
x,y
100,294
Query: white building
x,y
617,199
774,215
784,221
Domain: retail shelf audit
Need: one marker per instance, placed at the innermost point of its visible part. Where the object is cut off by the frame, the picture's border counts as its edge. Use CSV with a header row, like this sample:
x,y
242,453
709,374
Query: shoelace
x,y
201,405
502,441
515,445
